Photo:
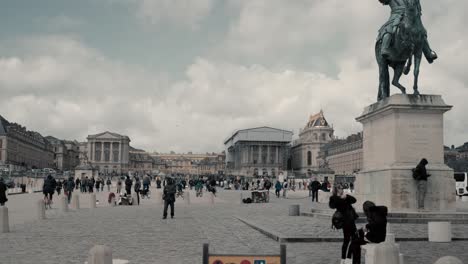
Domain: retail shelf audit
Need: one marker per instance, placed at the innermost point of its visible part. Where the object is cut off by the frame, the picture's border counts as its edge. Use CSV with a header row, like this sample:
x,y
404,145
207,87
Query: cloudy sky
x,y
182,75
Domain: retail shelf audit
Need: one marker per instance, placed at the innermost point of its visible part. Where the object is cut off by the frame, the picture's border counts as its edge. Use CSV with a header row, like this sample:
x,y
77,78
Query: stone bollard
x,y
41,209
100,254
439,231
187,197
294,210
4,220
386,253
448,260
76,201
92,201
64,203
464,198
134,198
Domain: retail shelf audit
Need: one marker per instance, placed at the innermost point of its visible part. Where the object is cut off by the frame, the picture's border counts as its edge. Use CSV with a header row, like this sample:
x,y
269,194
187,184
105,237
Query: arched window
x,y
309,158
315,136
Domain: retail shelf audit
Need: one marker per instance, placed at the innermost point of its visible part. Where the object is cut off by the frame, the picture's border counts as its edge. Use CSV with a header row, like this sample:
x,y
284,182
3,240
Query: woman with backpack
x,y
344,217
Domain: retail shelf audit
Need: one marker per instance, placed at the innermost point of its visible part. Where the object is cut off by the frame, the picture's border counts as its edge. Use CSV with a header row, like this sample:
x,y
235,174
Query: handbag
x,y
337,220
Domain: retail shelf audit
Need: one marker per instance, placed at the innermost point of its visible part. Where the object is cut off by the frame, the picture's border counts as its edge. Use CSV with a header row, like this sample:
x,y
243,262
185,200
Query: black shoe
x,y
164,217
172,216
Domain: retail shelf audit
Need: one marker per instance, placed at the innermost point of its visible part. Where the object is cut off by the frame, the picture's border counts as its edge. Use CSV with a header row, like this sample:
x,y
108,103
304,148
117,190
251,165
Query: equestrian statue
x,y
399,40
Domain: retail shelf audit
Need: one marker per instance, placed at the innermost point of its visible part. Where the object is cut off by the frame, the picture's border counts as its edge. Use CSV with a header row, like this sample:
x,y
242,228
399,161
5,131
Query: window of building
x,y
1,143
315,136
324,136
115,151
309,158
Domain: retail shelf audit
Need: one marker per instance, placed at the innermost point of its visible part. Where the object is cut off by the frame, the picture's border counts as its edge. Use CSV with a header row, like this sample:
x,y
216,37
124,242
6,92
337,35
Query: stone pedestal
x,y
398,132
439,231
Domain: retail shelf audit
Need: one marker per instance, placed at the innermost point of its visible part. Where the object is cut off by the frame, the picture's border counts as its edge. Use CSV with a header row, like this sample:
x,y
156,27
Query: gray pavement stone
x,y
138,234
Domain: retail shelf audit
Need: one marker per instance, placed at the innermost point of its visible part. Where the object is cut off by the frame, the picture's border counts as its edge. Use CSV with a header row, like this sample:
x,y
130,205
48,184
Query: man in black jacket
x,y
128,185
315,187
375,230
420,175
169,196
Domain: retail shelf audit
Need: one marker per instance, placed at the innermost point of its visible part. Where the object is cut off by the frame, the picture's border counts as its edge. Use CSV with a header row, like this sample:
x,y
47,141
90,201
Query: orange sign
x,y
213,259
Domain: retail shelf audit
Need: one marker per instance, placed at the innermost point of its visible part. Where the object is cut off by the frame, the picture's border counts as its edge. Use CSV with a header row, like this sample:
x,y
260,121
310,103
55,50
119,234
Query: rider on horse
x,y
395,26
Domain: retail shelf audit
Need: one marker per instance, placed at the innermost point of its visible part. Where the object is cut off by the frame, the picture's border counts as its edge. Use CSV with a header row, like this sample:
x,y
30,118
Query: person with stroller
x,y
169,197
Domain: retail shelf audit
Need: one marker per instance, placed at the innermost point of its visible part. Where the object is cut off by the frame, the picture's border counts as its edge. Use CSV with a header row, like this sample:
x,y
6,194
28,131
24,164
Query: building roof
x,y
3,125
317,120
108,135
260,134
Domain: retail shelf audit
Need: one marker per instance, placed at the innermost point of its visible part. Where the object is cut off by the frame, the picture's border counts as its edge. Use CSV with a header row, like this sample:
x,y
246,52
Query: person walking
x,y
78,183
3,190
315,187
285,188
374,231
137,189
343,204
102,184
91,185
68,187
146,183
119,186
420,175
169,197
48,189
278,188
108,183
128,185
98,184
59,187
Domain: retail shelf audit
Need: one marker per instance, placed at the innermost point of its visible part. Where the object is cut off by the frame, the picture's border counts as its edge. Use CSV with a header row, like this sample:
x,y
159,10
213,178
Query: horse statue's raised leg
x,y
398,71
417,64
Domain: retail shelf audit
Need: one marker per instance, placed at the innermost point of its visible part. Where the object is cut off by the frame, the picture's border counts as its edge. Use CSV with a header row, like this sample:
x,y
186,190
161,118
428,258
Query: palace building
x,y
108,153
257,151
305,149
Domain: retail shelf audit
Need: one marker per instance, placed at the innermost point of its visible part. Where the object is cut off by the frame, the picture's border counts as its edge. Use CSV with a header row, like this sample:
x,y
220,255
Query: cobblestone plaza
x,y
139,235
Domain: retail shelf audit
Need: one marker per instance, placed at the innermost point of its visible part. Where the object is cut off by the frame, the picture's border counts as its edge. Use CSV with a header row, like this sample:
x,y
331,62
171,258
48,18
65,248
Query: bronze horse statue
x,y
400,39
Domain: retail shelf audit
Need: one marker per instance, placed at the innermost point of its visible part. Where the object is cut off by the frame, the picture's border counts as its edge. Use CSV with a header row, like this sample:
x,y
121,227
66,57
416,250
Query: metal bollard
x,y
448,260
4,220
92,201
76,201
294,210
41,209
100,254
64,203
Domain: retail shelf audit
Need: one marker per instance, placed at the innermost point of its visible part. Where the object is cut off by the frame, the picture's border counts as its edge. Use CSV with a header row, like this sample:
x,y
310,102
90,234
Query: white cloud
x,y
184,13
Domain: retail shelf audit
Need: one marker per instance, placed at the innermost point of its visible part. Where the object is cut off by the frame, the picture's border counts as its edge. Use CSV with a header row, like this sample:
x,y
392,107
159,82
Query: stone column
x,y
111,153
277,155
268,154
259,154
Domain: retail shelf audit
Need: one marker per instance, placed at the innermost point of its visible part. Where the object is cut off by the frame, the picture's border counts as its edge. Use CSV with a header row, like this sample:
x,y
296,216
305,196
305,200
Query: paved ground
x,y
138,234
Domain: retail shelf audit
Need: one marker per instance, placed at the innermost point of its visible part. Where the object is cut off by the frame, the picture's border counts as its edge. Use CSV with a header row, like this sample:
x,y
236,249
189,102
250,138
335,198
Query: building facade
x,y
343,156
257,151
66,153
189,163
305,149
108,153
23,149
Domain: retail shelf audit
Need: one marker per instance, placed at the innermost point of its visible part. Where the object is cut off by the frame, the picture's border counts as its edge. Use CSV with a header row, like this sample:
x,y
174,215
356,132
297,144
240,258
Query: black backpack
x,y
415,173
337,220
